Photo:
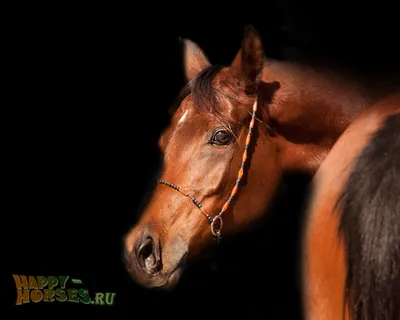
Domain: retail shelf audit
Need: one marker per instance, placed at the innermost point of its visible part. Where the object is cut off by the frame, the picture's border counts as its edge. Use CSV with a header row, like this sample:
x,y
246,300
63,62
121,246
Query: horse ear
x,y
249,61
194,59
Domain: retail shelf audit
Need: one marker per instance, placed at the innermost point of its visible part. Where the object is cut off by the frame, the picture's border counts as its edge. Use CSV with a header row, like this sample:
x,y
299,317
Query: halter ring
x,y
215,229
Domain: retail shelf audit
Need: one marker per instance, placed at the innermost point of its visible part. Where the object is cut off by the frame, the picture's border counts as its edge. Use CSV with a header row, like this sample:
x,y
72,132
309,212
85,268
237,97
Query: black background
x,y
86,98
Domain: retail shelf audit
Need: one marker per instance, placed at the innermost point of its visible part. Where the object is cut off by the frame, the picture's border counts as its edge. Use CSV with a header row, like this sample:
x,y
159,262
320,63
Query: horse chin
x,y
165,279
172,280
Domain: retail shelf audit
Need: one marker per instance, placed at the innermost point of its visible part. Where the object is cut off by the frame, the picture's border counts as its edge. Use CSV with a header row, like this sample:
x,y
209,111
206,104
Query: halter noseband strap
x,y
217,222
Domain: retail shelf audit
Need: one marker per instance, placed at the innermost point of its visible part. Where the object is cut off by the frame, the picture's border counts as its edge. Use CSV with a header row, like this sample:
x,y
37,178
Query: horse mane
x,y
370,225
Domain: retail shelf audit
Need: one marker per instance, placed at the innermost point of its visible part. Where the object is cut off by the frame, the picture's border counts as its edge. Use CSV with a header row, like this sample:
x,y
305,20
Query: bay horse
x,y
235,132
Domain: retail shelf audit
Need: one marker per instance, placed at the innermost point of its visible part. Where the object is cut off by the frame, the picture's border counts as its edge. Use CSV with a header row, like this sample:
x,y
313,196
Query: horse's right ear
x,y
194,59
249,61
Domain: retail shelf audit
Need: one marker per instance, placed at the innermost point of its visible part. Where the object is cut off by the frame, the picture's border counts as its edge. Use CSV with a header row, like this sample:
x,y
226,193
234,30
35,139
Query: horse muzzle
x,y
153,264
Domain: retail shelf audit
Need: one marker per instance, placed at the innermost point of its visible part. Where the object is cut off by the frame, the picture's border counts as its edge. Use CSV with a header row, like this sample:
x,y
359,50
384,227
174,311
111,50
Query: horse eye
x,y
221,137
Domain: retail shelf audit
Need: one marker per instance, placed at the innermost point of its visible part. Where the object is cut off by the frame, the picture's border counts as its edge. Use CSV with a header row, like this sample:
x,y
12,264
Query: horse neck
x,y
309,112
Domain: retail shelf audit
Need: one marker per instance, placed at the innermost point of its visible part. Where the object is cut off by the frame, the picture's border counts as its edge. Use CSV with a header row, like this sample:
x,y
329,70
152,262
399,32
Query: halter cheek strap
x,y
217,222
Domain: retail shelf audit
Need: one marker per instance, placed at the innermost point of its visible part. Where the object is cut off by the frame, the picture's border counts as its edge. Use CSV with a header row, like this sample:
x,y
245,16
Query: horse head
x,y
214,179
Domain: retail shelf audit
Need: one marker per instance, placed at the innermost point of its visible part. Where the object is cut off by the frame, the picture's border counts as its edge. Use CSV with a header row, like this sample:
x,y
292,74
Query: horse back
x,y
326,262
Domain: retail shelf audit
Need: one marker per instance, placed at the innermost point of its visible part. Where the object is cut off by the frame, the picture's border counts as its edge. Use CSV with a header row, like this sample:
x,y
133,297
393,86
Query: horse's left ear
x,y
194,59
249,61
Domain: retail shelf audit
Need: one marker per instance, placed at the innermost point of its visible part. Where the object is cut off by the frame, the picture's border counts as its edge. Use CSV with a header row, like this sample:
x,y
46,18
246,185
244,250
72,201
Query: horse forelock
x,y
214,93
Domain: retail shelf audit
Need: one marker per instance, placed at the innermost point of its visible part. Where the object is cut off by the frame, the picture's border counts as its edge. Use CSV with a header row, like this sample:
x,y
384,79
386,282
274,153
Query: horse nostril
x,y
148,255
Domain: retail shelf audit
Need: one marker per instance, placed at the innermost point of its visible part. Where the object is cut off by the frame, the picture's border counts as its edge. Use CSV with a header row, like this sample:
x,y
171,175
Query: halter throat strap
x,y
216,222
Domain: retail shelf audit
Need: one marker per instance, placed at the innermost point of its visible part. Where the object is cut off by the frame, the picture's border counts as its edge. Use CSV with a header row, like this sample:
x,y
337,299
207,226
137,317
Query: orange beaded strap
x,y
217,222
